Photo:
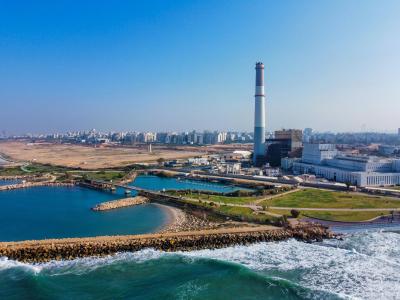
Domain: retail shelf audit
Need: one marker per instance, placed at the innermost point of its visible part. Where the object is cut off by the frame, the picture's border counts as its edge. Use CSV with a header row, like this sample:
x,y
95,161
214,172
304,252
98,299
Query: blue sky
x,y
180,65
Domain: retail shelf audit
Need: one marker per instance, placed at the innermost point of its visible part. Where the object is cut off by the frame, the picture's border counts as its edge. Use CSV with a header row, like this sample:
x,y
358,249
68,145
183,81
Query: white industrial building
x,y
325,161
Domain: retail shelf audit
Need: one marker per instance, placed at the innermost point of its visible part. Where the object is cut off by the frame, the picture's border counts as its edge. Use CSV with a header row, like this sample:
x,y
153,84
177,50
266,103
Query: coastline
x,y
178,221
70,248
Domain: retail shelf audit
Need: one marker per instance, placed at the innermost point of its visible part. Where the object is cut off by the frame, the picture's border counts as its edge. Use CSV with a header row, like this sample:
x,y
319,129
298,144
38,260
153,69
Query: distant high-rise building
x,y
259,116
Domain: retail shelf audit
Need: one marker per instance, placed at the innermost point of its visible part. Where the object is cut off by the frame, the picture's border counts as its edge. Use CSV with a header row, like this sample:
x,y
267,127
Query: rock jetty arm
x,y
66,249
131,201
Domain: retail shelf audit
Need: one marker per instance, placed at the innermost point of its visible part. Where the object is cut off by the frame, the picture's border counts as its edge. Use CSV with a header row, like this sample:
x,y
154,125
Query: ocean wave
x,y
361,266
6,264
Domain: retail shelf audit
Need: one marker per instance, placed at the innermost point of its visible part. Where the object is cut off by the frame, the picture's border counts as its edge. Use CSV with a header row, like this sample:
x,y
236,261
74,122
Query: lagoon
x,y
59,212
157,183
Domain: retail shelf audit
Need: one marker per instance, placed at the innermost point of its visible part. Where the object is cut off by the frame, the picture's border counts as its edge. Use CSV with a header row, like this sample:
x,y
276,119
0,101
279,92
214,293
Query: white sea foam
x,y
6,264
362,266
81,266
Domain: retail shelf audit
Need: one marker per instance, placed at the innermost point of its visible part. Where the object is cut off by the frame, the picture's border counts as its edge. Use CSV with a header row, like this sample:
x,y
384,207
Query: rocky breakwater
x,y
65,249
25,185
131,201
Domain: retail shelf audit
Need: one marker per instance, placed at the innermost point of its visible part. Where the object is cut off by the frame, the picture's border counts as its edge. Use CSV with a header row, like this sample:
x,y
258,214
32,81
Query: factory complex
x,y
324,160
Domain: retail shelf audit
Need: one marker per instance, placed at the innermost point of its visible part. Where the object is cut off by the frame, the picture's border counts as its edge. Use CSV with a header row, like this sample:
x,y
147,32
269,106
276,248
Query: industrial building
x,y
295,136
287,143
325,161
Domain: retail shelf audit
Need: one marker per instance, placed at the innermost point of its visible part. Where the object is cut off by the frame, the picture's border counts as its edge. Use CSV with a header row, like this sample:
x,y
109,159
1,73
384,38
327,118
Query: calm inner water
x,y
157,183
11,181
59,212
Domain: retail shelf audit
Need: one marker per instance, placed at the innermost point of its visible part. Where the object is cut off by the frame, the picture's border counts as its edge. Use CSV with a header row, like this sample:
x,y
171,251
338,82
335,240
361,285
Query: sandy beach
x,y
178,220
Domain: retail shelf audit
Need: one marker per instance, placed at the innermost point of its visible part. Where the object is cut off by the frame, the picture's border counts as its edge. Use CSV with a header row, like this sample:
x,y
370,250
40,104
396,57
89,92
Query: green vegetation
x,y
215,198
105,176
238,213
11,171
344,216
63,173
313,198
44,168
245,214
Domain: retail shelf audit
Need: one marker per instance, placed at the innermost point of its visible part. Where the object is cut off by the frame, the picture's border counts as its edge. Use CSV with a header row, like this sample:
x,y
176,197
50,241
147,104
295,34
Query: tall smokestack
x,y
259,116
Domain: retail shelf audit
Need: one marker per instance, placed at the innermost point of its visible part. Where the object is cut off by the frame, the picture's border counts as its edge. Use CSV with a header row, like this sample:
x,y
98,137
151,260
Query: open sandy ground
x,y
89,157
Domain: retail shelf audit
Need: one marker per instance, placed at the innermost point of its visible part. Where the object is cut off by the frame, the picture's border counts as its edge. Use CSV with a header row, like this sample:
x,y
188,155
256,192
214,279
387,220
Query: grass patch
x,y
217,198
314,198
104,176
11,171
45,168
343,216
236,212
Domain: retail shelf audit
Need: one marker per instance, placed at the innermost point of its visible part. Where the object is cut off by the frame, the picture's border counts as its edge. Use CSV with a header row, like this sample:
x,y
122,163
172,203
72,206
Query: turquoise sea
x,y
57,212
364,265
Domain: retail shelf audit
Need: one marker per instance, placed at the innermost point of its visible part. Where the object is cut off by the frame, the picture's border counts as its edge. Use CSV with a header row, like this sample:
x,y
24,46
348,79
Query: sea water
x,y
364,265
157,183
361,266
60,212
9,181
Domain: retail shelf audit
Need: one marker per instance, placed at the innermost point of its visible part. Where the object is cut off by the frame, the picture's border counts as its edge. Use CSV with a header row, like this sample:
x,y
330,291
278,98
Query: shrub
x,y
295,213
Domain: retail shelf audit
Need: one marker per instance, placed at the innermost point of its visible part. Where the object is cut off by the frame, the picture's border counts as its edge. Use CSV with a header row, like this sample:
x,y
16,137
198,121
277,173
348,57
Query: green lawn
x,y
344,216
351,216
11,171
43,168
246,214
221,198
314,198
103,175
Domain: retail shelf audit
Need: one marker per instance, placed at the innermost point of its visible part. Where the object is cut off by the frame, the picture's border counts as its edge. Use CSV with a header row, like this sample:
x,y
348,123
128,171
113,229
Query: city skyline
x,y
172,66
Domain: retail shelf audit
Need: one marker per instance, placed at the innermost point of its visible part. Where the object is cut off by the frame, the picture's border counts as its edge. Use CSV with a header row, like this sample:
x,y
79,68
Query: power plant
x,y
259,117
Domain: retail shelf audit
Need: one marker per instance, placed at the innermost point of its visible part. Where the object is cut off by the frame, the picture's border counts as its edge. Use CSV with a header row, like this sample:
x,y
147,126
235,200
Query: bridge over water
x,y
99,184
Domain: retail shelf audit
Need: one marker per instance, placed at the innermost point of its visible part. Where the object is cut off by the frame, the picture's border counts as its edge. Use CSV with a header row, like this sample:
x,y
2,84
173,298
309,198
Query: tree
x,y
295,213
161,161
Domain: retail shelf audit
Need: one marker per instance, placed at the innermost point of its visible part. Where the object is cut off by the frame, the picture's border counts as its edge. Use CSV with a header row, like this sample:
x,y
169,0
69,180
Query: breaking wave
x,y
361,266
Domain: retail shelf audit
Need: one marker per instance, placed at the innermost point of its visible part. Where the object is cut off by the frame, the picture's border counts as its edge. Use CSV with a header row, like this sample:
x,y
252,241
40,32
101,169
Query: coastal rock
x,y
46,250
131,201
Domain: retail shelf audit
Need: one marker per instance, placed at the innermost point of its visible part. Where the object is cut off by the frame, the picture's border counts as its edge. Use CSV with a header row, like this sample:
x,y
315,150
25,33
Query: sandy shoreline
x,y
178,220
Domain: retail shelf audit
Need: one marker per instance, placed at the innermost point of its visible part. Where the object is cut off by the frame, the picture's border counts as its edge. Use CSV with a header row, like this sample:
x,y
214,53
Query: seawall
x,y
34,184
66,249
125,202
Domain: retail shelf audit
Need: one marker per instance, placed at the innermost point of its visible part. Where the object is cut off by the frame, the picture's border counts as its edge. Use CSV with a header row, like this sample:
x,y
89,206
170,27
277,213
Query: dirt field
x,y
88,157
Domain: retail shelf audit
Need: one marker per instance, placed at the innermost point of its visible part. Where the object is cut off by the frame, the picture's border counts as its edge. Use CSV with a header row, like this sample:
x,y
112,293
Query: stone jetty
x,y
67,249
131,201
34,184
